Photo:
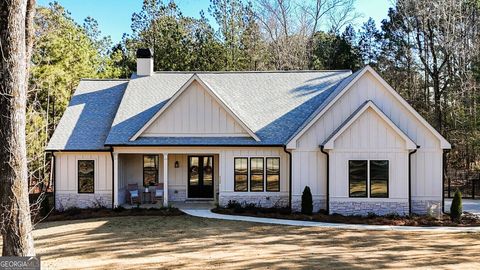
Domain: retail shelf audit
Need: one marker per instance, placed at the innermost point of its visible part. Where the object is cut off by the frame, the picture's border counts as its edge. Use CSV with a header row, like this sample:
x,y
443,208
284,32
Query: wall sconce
x,y
177,164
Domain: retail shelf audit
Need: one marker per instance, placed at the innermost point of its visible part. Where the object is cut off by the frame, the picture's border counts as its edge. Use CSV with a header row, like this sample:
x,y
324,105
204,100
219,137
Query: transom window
x,y
86,176
150,170
373,174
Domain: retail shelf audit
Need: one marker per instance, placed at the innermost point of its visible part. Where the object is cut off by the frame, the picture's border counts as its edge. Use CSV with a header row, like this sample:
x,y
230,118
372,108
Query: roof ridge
x,y
106,80
251,71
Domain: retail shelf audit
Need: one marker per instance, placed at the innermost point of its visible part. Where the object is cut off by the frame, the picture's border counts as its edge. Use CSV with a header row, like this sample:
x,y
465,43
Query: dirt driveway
x,y
196,243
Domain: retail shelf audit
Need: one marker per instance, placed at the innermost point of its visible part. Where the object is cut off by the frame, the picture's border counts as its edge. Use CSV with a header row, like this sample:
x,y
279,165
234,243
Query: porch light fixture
x,y
177,165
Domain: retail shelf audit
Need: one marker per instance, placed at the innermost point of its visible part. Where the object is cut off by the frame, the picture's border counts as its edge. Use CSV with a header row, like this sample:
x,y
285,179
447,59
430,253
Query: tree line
x,y
428,51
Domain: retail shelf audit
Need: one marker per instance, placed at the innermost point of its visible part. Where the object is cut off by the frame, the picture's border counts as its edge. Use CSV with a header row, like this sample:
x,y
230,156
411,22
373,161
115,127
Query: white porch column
x,y
115,180
165,179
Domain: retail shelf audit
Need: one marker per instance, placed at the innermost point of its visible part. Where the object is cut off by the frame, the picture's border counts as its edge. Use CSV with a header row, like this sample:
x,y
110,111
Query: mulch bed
x,y
76,213
414,220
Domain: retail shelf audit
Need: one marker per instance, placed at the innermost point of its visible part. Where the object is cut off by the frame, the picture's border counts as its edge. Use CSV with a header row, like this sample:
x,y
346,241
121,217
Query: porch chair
x,y
158,191
132,193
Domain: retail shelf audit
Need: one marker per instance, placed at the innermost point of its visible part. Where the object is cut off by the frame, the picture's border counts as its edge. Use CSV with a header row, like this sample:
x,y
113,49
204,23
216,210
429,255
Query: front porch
x,y
185,177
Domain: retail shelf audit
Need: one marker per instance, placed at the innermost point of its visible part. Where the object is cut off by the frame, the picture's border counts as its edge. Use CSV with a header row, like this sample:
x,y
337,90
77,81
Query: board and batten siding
x,y
369,138
195,113
426,163
66,180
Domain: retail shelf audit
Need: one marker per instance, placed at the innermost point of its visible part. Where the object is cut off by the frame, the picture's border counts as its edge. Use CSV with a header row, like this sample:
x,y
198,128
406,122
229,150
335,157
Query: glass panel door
x,y
200,177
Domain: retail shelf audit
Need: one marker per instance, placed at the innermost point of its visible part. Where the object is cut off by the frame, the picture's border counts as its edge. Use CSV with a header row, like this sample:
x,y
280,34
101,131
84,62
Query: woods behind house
x,y
428,51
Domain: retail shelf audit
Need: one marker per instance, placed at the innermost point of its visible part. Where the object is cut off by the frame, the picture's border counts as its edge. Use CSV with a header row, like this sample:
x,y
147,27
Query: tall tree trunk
x,y
16,18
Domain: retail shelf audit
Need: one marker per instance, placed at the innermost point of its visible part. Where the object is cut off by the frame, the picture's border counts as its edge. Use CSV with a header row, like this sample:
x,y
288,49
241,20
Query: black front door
x,y
200,177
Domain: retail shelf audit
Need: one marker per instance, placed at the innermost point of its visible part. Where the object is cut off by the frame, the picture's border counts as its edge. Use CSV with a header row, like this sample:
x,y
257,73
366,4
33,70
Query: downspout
x,y
410,180
113,180
444,168
322,149
54,179
289,177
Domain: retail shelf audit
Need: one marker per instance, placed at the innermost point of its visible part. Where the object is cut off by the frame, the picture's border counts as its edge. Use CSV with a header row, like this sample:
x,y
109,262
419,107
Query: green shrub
x,y
307,203
456,208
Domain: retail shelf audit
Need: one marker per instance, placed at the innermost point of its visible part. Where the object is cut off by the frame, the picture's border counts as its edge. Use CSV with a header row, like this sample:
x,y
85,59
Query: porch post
x,y
115,180
165,179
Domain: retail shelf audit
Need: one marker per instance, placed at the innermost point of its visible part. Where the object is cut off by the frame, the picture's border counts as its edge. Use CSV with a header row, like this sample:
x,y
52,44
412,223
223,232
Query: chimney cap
x,y
144,53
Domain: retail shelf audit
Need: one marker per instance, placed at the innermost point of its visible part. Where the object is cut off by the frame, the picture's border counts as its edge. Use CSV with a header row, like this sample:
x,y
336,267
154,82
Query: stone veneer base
x,y
260,200
365,208
318,203
70,200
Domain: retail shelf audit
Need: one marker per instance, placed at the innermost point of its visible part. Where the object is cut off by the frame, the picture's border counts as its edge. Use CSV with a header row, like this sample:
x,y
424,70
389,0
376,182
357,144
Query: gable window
x,y
241,174
256,174
150,170
86,176
357,178
363,174
379,178
273,174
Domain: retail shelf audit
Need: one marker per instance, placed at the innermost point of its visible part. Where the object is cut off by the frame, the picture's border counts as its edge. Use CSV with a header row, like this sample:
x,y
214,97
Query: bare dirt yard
x,y
184,242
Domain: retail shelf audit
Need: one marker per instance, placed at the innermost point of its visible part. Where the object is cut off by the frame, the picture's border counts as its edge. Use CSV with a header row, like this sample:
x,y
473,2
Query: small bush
x,y
371,215
119,209
307,202
232,204
456,208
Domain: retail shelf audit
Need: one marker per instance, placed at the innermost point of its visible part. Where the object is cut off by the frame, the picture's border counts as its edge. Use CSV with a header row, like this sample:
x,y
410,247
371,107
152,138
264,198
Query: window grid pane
x,y
273,174
357,171
150,170
86,176
379,178
241,174
256,174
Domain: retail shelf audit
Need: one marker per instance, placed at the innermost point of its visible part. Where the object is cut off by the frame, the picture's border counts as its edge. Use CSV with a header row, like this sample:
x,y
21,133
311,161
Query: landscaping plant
x,y
456,207
307,203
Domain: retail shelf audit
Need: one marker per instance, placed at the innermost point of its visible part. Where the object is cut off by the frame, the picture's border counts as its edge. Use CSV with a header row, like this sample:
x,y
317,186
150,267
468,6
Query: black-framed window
x,y
241,174
273,173
256,174
357,178
86,176
379,178
150,170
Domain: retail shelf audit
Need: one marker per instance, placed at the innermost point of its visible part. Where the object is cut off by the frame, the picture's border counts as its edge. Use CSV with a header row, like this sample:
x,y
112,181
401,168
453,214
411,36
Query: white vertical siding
x,y
195,112
369,138
66,171
427,162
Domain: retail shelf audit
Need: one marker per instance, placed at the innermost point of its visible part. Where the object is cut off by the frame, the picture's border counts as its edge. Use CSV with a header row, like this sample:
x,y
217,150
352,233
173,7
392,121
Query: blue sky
x,y
114,16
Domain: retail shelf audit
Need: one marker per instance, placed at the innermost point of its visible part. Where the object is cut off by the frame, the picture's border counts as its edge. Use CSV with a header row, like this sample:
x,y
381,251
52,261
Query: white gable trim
x,y
444,144
330,142
179,92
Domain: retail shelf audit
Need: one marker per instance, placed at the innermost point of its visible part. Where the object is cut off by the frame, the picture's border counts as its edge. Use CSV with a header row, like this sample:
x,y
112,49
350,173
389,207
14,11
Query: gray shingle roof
x,y
274,105
88,118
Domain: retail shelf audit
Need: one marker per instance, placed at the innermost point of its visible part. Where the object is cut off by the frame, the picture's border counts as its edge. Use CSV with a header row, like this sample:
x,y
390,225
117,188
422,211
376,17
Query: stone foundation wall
x,y
260,200
177,195
364,208
424,207
318,203
71,200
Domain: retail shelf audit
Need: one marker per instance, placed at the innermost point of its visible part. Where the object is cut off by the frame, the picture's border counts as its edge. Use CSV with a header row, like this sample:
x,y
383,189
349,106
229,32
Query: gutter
x,y
444,168
54,179
289,177
113,178
410,180
328,178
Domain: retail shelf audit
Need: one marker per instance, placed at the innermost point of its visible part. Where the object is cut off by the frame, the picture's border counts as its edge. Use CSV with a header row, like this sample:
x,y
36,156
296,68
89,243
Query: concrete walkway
x,y
206,213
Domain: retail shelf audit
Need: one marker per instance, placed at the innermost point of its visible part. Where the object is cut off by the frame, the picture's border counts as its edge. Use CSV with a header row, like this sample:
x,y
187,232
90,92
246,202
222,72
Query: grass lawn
x,y
144,242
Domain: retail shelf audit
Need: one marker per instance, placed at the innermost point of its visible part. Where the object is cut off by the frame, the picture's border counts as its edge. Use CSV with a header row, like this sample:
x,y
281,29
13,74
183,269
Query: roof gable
x,y
342,88
224,121
329,143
